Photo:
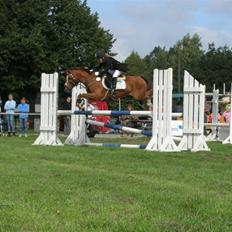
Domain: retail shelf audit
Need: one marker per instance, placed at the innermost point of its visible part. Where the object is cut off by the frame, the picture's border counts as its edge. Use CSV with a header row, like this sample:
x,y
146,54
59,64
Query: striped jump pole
x,y
119,127
141,146
113,113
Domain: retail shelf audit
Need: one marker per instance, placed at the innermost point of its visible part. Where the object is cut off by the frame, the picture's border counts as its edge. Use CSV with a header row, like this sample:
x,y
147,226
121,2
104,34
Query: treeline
x,y
211,66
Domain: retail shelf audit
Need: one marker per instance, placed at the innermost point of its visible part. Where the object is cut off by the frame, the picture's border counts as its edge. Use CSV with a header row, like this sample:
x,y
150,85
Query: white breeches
x,y
115,73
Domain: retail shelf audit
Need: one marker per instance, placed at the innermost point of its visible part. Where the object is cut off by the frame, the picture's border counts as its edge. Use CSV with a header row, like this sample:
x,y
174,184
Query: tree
x,y
216,66
45,36
136,65
157,59
186,54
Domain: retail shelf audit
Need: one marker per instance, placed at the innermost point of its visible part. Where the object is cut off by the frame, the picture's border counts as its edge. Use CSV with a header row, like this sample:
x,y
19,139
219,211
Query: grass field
x,y
102,189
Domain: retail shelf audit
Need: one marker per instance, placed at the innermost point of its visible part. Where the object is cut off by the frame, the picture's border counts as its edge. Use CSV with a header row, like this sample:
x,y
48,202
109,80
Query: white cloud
x,y
141,25
220,38
146,24
221,6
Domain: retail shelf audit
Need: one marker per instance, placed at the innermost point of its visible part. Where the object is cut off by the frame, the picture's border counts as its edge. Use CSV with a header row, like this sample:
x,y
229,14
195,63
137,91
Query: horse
x,y
136,86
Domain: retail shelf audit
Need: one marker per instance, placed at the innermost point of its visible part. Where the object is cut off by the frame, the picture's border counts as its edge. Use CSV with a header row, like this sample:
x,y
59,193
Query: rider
x,y
108,65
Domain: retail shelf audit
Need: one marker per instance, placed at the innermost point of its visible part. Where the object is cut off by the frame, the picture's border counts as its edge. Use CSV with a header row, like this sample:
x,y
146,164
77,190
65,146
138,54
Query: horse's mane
x,y
79,68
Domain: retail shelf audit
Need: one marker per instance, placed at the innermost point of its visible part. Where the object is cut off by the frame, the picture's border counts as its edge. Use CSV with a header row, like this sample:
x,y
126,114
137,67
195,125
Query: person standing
x,y
23,109
9,107
67,119
227,113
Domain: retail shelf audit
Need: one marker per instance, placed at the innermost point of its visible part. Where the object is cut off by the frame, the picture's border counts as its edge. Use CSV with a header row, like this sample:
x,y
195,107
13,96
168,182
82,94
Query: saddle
x,y
107,81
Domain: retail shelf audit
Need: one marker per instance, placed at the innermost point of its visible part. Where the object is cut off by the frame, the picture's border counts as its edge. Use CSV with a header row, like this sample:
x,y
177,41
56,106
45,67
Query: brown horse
x,y
136,86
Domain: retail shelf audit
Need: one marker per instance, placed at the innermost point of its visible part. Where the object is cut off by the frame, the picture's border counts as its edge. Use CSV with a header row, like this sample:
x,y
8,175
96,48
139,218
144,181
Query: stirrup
x,y
112,91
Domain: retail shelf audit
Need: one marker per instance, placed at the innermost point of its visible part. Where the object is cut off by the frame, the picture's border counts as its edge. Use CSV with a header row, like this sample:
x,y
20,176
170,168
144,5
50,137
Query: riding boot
x,y
113,85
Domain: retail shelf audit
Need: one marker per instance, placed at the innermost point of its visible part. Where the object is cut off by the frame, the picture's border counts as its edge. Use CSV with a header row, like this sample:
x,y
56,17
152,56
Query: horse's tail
x,y
149,91
149,85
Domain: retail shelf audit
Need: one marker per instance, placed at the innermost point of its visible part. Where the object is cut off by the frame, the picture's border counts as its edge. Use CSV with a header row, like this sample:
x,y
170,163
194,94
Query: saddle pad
x,y
122,77
121,84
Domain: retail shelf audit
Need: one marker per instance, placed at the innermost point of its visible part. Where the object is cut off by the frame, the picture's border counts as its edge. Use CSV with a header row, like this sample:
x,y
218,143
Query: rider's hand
x,y
96,73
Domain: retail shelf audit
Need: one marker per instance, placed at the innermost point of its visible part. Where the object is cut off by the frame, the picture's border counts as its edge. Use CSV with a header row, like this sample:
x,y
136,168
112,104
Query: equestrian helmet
x,y
100,54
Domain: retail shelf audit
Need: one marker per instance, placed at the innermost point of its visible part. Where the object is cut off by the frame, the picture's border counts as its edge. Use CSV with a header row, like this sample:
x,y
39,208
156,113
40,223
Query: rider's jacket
x,y
110,63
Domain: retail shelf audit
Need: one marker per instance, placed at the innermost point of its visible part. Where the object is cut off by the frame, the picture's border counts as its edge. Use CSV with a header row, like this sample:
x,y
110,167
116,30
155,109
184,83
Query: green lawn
x,y
101,189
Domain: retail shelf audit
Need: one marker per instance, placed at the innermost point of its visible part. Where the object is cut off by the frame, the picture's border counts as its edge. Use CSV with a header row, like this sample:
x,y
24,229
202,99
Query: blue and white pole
x,y
119,127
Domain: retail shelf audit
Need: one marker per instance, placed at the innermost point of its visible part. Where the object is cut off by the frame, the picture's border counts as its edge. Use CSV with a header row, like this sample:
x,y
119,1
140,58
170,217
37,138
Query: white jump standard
x,y
162,112
48,115
194,106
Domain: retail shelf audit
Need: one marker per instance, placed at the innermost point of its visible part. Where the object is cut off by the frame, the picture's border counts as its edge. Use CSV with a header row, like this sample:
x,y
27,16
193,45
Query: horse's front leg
x,y
87,96
81,100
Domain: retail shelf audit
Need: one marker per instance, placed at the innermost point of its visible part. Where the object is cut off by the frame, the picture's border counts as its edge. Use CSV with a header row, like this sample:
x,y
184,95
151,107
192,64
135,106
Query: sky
x,y
140,25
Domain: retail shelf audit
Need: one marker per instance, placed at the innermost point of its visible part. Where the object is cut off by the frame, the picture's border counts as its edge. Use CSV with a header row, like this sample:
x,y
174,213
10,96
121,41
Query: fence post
x,y
162,112
77,134
48,114
194,109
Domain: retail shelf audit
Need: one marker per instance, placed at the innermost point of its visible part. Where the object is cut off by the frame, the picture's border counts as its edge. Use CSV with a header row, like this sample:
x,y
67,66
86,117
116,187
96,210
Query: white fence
x,y
162,140
48,115
162,112
194,108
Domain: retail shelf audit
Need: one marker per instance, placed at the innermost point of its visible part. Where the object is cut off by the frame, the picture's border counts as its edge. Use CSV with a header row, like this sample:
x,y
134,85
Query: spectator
x,y
67,119
226,114
10,108
23,109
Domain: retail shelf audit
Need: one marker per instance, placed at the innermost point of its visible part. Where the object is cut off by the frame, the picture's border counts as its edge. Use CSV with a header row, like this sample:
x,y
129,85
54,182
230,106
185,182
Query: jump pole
x,y
119,127
114,145
115,113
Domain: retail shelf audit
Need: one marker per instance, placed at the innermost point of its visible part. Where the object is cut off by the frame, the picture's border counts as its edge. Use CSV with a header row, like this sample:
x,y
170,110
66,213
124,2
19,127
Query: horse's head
x,y
75,76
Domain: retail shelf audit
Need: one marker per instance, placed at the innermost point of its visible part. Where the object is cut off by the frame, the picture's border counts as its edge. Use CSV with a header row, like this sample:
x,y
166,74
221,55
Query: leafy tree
x,y
44,36
216,66
158,58
186,54
136,65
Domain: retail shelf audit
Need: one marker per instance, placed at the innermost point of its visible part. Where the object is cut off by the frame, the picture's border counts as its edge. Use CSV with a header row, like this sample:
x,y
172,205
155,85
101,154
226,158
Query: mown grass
x,y
101,189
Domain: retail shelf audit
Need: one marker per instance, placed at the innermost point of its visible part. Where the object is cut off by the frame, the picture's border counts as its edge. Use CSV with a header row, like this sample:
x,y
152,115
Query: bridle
x,y
70,79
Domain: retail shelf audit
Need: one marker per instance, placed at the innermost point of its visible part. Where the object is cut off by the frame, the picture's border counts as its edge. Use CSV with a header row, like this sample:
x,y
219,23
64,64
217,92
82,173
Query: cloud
x,y
140,11
140,25
220,38
147,24
221,6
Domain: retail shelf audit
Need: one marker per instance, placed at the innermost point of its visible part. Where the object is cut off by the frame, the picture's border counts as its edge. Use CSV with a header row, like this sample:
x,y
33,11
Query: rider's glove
x,y
97,74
